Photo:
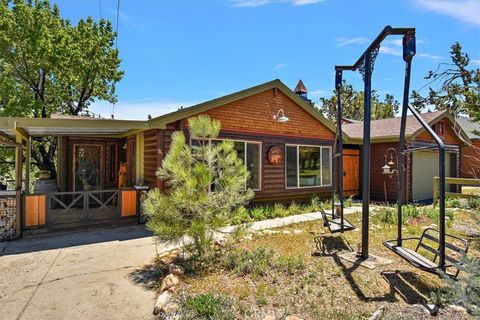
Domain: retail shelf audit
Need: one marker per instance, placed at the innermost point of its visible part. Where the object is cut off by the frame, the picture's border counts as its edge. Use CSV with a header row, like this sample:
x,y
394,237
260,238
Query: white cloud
x,y
304,2
463,10
394,51
318,93
249,3
477,61
137,110
258,3
430,56
342,42
279,66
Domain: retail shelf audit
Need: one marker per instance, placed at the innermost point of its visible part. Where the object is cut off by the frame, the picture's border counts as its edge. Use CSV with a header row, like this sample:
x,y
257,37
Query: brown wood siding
x,y
378,181
254,114
470,160
449,137
150,156
273,176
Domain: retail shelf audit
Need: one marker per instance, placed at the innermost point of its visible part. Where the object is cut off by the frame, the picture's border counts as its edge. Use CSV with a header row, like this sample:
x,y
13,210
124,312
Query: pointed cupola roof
x,y
300,88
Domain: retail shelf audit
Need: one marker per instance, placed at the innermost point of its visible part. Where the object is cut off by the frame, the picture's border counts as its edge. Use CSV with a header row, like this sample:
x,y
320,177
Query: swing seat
x,y
426,259
335,224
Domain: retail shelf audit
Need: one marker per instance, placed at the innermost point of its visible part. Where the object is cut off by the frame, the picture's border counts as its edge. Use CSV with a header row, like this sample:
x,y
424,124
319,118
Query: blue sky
x,y
178,53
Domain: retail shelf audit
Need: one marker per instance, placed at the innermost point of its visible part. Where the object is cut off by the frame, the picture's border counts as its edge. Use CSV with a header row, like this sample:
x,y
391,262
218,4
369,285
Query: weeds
x,y
243,262
452,202
474,202
208,307
290,265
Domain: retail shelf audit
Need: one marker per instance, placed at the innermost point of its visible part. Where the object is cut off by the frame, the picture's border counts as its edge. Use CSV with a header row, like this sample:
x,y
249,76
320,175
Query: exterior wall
x,y
381,184
254,114
251,119
471,161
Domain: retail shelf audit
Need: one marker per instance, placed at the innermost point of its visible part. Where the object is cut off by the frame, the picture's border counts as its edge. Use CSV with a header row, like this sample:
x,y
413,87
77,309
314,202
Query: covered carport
x,y
32,209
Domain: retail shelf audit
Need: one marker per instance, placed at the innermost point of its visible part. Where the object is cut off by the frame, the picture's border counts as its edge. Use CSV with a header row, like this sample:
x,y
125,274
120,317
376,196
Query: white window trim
x,y
245,157
297,146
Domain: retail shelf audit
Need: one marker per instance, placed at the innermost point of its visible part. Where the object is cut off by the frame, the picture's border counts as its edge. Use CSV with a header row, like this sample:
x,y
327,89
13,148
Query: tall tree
x,y
48,66
454,86
352,104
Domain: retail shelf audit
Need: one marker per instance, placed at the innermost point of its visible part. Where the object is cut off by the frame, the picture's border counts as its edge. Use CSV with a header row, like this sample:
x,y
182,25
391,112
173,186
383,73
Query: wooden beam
x,y
22,132
28,161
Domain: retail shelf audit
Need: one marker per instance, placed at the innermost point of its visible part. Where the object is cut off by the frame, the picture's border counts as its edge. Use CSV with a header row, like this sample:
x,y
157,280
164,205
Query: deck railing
x,y
455,181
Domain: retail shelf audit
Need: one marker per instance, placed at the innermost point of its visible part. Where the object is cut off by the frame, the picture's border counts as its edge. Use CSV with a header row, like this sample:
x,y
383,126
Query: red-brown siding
x,y
471,161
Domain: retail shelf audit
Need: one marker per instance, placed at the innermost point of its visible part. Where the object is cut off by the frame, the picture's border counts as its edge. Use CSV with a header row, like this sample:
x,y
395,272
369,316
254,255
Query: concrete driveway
x,y
102,274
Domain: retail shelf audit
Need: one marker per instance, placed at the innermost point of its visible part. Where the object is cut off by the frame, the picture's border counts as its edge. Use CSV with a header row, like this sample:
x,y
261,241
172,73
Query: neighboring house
x,y
420,166
283,140
471,152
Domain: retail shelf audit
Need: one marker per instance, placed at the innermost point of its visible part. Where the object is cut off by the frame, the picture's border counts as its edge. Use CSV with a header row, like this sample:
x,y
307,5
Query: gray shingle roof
x,y
469,127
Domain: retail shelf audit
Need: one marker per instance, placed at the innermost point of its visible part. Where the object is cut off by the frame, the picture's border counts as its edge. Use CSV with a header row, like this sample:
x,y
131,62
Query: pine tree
x,y
206,187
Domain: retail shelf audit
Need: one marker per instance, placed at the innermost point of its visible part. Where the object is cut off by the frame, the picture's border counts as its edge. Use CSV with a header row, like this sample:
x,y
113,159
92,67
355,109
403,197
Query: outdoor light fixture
x,y
280,116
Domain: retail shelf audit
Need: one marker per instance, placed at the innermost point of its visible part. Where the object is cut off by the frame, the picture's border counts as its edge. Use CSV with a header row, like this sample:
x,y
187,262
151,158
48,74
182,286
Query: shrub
x,y
290,264
314,206
244,262
466,290
452,202
474,202
294,209
410,211
348,202
208,307
207,184
257,213
387,215
280,211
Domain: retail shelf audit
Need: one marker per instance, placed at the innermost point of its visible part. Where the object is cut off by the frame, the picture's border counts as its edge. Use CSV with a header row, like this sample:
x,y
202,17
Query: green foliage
x,y
48,66
294,209
352,104
452,202
206,188
208,307
244,262
458,86
466,290
474,202
348,202
289,264
387,215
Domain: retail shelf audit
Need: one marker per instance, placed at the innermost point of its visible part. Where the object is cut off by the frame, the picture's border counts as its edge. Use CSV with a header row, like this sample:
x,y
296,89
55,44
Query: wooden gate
x,y
351,163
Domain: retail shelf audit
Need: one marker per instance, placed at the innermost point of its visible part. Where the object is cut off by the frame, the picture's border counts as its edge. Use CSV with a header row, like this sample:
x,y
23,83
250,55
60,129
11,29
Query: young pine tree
x,y
206,187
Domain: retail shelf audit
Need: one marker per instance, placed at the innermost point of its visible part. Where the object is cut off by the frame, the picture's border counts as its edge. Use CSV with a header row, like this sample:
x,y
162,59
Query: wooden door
x,y
351,163
88,168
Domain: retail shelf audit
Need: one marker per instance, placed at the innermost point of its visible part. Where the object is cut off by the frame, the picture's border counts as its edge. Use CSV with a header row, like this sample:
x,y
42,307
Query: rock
x,y
377,315
286,232
169,283
268,231
248,237
175,269
458,309
162,301
293,318
171,308
431,309
296,231
221,241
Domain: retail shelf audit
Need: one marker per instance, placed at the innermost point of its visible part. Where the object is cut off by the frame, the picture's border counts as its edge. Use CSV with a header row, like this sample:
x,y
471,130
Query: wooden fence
x,y
456,181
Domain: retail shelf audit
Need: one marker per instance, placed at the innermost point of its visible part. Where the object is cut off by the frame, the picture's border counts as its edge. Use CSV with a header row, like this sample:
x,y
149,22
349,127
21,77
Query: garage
x,y
424,167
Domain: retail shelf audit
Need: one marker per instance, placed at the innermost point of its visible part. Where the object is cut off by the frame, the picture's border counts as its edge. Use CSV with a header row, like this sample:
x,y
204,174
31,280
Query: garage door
x,y
425,167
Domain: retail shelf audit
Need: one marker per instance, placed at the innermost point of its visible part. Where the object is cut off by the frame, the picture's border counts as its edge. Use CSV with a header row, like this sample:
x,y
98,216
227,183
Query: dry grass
x,y
329,287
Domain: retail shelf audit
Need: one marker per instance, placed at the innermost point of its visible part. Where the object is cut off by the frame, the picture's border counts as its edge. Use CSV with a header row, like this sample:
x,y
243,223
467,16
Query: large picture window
x,y
308,166
249,152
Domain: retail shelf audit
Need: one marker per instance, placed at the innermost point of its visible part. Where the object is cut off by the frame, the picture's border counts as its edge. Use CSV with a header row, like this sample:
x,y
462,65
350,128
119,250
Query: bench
x,y
427,252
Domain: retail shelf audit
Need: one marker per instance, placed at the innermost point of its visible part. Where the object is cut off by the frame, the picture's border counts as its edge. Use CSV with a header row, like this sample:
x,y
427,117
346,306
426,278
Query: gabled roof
x,y
386,130
161,121
470,127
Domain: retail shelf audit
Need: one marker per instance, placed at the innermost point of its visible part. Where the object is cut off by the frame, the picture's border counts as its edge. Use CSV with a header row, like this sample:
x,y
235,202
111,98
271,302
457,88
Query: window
x,y
249,152
308,166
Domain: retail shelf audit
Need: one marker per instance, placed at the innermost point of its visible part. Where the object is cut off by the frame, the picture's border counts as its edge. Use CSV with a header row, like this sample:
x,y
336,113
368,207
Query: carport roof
x,y
70,126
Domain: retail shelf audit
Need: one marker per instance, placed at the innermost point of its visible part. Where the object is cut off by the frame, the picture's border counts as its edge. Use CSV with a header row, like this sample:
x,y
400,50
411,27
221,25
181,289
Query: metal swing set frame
x,y
365,65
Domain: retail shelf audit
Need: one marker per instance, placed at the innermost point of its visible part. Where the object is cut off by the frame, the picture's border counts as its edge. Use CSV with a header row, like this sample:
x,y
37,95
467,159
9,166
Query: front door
x,y
351,162
88,167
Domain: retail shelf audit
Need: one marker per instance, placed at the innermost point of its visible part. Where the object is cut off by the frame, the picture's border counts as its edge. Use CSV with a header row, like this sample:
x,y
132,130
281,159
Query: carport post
x,y
338,87
366,152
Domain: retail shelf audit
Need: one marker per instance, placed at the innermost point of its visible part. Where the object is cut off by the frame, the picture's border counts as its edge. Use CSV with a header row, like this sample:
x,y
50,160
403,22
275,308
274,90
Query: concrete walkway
x,y
101,274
